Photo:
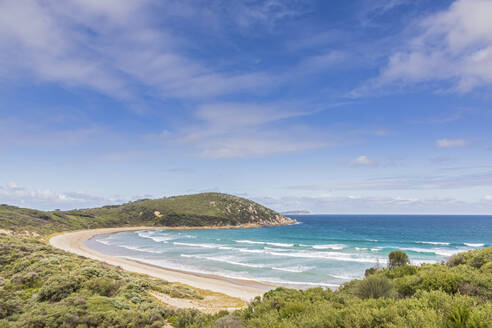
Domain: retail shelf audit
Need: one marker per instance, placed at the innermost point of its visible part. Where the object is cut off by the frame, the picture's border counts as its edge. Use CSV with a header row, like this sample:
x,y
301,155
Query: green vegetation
x,y
375,287
41,286
397,259
206,209
44,287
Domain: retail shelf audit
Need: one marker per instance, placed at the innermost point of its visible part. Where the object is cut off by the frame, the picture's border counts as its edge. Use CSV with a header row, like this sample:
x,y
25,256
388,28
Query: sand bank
x,y
74,242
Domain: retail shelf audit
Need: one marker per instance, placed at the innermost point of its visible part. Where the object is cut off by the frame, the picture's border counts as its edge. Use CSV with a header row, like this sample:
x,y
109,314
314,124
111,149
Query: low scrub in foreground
x,y
44,287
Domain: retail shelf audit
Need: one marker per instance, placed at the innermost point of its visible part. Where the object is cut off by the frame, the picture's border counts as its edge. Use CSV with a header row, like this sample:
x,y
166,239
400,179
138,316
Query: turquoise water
x,y
323,250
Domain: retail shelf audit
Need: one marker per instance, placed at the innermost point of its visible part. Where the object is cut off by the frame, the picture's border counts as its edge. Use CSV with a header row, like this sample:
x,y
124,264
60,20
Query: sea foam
x,y
330,246
264,243
297,268
433,243
474,245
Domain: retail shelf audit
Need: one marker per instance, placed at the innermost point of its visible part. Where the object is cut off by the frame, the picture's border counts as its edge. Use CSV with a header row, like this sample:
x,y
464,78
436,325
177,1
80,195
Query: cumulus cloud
x,y
450,143
453,46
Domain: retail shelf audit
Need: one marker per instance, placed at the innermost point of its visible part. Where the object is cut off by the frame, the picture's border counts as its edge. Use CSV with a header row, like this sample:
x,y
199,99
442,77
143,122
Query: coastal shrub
x,y
187,318
455,260
478,261
397,259
486,268
45,287
477,258
459,317
57,288
229,322
430,277
103,286
91,271
401,271
292,310
28,279
370,271
468,289
374,287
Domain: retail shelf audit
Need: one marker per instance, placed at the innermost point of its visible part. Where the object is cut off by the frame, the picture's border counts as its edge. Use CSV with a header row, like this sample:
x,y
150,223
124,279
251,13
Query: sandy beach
x,y
74,242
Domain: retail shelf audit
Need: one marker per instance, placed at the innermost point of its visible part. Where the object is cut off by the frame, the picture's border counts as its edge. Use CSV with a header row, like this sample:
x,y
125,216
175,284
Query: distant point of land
x,y
297,212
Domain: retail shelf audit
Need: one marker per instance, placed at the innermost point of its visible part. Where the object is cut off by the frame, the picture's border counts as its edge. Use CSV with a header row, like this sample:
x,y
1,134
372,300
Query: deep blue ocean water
x,y
323,250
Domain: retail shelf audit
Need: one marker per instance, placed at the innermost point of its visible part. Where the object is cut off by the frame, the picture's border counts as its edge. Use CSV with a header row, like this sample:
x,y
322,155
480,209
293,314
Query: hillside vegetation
x,y
206,209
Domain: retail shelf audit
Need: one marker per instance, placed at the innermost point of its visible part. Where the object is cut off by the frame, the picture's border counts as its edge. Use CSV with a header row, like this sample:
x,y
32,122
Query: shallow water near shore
x,y
323,250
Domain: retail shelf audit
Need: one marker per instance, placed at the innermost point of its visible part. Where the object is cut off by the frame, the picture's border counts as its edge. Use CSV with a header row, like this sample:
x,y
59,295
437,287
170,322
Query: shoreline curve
x,y
74,242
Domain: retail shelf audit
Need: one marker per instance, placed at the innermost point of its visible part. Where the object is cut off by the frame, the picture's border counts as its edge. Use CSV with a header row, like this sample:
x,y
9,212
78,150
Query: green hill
x,y
205,209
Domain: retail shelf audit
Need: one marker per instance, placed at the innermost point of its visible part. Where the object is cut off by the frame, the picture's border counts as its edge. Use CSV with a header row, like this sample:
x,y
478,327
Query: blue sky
x,y
330,106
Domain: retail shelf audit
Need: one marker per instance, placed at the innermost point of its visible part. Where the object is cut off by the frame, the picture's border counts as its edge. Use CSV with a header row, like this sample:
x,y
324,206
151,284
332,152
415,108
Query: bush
x,y
455,260
487,267
90,272
397,259
374,287
28,279
406,270
187,318
57,288
458,317
103,286
370,271
478,261
229,322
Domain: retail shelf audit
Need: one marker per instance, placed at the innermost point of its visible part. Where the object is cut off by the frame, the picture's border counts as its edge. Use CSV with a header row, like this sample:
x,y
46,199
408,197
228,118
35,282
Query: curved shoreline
x,y
74,242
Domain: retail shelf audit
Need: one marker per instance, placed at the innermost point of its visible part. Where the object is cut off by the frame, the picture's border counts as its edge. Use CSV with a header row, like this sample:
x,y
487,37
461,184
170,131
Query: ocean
x,y
322,250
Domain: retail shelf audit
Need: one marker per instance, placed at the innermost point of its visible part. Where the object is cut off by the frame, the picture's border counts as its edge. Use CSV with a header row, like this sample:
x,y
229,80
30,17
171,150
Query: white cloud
x,y
233,115
110,47
319,63
450,143
371,132
264,144
453,46
239,130
407,182
363,161
50,131
47,199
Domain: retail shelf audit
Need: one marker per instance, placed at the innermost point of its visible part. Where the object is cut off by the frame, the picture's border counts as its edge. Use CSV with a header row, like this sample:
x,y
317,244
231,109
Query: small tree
x,y
397,259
